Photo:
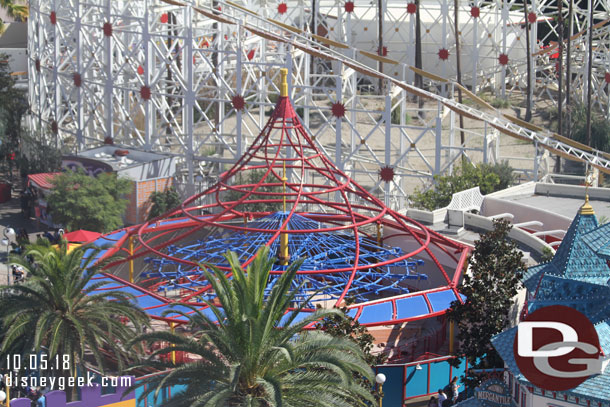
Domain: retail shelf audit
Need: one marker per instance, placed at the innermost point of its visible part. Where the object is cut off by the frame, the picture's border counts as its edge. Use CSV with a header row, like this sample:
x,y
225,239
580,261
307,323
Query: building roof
x,y
598,240
43,180
15,36
595,388
574,259
590,299
126,158
576,277
564,205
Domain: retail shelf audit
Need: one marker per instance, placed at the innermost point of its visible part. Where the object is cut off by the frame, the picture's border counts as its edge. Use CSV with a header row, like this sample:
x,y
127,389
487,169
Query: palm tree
x,y
14,9
251,357
56,309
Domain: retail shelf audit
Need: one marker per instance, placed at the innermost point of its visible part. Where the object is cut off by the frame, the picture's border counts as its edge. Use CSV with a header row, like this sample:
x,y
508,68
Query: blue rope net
x,y
323,252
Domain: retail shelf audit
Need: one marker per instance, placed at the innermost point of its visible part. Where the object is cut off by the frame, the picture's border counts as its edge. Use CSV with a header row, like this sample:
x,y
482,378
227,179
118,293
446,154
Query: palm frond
x,y
258,359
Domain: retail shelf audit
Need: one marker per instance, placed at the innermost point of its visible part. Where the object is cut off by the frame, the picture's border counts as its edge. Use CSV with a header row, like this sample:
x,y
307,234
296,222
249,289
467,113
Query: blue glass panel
x,y
376,313
441,300
411,307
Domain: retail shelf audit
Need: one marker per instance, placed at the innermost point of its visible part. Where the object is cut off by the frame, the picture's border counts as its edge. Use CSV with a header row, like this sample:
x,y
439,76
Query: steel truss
x,y
197,81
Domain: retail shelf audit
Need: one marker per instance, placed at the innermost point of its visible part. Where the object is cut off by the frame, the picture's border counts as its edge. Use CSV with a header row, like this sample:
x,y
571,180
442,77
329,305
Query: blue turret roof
x,y
595,388
576,277
588,298
598,240
574,259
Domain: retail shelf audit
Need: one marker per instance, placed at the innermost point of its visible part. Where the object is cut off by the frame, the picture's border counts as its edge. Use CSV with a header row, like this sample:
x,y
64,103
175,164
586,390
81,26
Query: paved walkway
x,y
10,216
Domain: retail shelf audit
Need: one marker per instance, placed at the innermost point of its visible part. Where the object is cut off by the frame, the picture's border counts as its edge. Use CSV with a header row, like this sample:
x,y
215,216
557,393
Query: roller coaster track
x,y
321,47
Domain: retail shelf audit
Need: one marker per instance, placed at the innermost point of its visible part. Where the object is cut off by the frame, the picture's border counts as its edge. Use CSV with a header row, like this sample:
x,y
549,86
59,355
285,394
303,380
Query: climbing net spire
x,y
286,194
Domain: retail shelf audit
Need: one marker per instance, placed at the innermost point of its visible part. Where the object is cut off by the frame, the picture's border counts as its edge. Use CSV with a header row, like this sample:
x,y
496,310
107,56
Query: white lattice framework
x,y
167,76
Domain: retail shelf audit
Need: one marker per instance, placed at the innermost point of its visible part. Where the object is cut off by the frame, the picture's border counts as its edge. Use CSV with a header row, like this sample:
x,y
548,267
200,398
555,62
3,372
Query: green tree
x,y
492,281
162,202
547,255
57,308
79,201
344,326
13,105
600,127
253,355
14,9
38,155
488,177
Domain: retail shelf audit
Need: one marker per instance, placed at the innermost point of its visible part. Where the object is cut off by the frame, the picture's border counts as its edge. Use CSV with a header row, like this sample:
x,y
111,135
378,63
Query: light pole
x,y
380,379
8,233
5,395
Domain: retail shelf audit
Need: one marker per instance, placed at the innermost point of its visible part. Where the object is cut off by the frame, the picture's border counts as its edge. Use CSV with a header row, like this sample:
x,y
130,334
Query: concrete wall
x,y
524,238
427,217
572,191
524,213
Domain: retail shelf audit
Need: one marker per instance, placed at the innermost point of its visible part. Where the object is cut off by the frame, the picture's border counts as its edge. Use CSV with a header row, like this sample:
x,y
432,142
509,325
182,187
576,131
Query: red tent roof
x,y
81,236
43,180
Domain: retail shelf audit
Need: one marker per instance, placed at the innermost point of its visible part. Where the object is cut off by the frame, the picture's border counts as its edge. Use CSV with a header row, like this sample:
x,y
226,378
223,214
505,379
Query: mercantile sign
x,y
493,393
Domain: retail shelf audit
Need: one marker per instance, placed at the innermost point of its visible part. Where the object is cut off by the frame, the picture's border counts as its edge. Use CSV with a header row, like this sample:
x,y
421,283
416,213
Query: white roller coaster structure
x,y
196,80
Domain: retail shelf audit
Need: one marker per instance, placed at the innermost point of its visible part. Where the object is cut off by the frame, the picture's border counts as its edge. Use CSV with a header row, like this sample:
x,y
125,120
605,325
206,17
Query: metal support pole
x,y
388,140
568,60
380,17
108,83
536,161
458,60
445,14
57,102
450,153
439,142
172,329
560,70
589,71
80,117
505,22
475,51
485,144
338,125
131,259
8,264
189,100
149,127
408,75
238,89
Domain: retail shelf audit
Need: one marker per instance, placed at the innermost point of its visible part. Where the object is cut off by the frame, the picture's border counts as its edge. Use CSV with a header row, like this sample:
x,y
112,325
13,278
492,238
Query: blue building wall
x,y
408,381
